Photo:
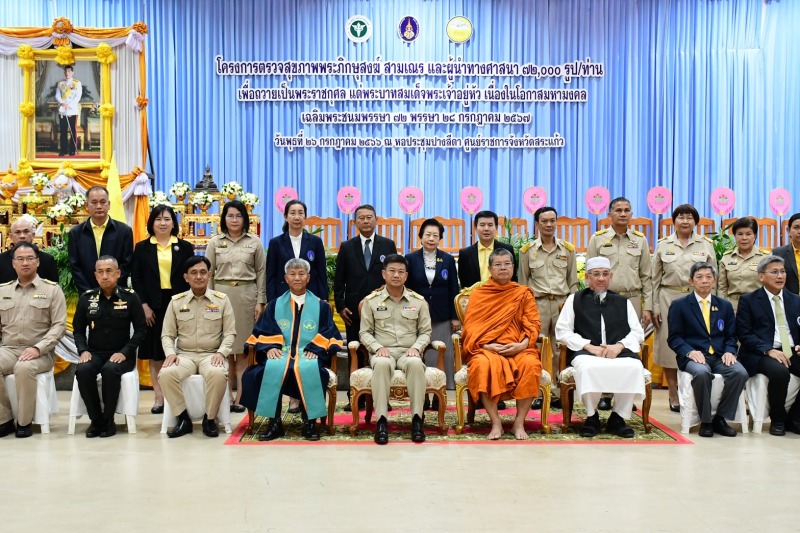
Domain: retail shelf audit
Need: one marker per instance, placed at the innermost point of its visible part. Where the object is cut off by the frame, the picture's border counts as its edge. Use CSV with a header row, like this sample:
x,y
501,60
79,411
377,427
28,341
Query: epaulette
x,y
90,290
663,238
126,289
373,294
412,293
48,281
568,246
7,283
765,251
219,294
600,232
729,252
179,296
709,240
526,247
638,233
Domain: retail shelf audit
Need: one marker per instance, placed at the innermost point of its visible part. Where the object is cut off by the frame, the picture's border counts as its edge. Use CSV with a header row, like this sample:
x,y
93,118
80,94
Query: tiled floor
x,y
147,482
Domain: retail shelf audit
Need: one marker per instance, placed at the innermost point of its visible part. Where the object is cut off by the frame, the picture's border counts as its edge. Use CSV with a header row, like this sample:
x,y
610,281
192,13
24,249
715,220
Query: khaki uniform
x,y
397,326
671,265
738,274
202,326
238,269
629,255
552,276
33,315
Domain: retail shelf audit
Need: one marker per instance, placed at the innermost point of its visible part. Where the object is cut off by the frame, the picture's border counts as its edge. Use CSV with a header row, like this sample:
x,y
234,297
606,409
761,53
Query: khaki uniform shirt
x,y
240,260
672,262
629,255
395,325
203,324
548,272
738,274
33,315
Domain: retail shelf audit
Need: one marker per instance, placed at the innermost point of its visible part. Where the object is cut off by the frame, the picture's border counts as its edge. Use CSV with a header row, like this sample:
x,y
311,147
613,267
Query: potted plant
x,y
179,190
231,190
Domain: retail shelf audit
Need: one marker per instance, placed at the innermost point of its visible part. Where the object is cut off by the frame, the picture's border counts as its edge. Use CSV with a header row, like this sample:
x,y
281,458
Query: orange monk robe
x,y
502,314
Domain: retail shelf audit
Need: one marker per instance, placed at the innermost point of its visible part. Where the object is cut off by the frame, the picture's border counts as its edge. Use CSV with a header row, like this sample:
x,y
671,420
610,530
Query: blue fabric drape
x,y
697,94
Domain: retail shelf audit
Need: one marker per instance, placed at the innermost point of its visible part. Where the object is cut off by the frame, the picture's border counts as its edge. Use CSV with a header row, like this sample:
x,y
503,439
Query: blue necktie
x,y
367,253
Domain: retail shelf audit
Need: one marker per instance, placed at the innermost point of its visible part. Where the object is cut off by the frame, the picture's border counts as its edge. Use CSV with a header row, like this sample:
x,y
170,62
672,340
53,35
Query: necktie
x,y
707,318
367,253
786,344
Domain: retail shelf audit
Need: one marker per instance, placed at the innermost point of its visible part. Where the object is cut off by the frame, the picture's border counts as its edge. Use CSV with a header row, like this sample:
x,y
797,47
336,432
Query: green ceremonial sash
x,y
306,370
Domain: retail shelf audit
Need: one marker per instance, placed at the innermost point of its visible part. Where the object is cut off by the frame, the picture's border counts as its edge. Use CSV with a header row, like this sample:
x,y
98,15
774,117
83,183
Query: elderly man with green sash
x,y
294,340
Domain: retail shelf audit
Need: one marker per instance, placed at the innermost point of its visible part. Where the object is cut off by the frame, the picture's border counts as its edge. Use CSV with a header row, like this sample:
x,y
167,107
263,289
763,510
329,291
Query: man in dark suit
x,y
791,254
767,323
22,230
702,333
359,267
100,235
473,261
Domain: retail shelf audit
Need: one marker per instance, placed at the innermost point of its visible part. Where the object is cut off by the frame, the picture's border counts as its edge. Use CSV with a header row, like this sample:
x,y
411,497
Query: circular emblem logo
x,y
310,255
358,28
444,274
382,258
283,324
408,29
720,324
459,29
309,325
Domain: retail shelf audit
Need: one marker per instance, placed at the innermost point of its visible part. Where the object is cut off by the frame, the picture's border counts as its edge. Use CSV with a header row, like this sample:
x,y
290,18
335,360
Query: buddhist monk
x,y
500,333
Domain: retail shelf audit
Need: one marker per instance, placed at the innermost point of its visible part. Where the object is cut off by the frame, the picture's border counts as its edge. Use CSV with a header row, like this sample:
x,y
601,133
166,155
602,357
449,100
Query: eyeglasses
x,y
233,217
392,272
27,259
776,272
599,275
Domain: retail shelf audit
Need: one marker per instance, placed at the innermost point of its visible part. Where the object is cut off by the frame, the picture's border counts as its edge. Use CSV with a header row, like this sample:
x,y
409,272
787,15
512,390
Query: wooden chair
x,y
575,230
331,392
331,233
361,381
641,224
768,236
453,240
462,378
785,232
566,380
704,227
519,226
391,228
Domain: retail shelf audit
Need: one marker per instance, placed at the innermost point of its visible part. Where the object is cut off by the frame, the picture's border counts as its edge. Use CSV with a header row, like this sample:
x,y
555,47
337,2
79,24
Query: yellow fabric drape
x,y
92,33
141,214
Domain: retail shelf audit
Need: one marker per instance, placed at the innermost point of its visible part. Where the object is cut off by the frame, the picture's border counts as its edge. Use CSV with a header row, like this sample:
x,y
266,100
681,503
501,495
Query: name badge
x,y
184,309
382,308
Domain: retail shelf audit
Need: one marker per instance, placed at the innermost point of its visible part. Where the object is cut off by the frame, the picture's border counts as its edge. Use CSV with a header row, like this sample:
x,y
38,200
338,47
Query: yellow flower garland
x,y
26,57
64,55
24,169
27,109
105,55
107,110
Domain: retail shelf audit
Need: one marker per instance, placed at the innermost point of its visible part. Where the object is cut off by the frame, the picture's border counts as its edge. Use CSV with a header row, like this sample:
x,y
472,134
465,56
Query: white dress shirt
x,y
296,242
776,339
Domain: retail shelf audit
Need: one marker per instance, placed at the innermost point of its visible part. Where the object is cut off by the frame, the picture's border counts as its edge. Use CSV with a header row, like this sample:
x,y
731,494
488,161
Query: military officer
x,y
202,323
738,268
396,328
33,317
108,311
547,266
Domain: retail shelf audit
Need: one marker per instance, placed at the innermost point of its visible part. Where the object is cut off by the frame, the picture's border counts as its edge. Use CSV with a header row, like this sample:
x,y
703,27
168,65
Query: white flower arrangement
x,y
40,178
232,188
32,198
202,198
179,188
76,201
59,210
249,198
159,198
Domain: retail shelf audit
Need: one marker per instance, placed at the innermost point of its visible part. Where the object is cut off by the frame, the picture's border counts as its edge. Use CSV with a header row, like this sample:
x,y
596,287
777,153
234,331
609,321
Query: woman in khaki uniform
x,y
238,266
738,267
672,260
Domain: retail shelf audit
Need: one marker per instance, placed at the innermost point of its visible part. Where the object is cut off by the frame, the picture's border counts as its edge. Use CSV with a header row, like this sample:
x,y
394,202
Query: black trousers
x,y
778,376
68,134
86,375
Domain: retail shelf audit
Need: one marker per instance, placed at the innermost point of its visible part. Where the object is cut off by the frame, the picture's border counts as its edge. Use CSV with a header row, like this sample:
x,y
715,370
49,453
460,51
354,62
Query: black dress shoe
x,y
604,404
109,431
7,428
389,407
417,429
675,408
93,431
617,426
794,427
591,426
706,429
435,404
362,404
210,427
426,406
382,431
501,406
236,408
778,429
555,403
274,430
722,427
182,427
23,432
310,430
157,409
537,404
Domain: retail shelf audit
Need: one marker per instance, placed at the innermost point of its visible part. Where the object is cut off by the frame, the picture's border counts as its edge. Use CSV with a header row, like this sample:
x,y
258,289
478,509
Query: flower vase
x,y
38,188
249,208
204,208
180,198
231,196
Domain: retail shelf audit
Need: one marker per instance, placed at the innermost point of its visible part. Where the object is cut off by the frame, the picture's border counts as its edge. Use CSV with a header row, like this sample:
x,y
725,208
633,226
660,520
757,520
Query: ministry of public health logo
x,y
358,28
408,29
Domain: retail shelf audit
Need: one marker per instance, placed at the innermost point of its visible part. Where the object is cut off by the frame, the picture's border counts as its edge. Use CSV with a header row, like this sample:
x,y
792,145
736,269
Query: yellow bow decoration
x,y
67,170
63,26
25,54
105,55
27,109
107,110
141,27
105,165
136,171
24,169
142,102
64,55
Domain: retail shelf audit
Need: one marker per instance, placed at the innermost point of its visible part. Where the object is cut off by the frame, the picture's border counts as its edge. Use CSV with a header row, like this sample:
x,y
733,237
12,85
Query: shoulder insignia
x,y
663,238
220,295
126,289
765,251
414,294
729,252
90,291
7,283
568,246
49,282
638,233
707,239
602,231
526,247
179,296
373,294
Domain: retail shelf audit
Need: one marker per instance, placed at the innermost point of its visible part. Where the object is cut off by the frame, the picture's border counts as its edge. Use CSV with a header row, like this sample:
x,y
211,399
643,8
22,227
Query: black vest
x,y
613,309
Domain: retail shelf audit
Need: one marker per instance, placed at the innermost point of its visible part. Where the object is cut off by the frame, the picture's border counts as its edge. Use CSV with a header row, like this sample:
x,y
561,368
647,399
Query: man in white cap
x,y
603,336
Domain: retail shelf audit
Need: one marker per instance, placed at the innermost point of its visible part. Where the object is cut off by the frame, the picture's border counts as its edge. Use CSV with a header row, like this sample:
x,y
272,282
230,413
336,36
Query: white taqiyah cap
x,y
598,262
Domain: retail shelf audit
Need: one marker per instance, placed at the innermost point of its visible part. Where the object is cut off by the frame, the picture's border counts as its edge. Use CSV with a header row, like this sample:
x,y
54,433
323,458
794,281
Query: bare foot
x,y
496,432
519,432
